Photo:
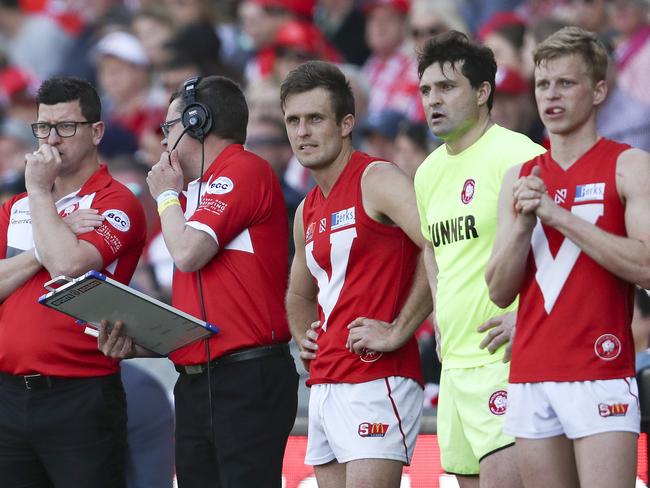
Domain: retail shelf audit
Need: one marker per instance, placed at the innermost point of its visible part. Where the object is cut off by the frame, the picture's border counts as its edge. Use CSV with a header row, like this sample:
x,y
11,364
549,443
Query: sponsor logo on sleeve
x,y
613,409
221,185
117,219
342,218
469,188
607,347
591,191
372,429
498,402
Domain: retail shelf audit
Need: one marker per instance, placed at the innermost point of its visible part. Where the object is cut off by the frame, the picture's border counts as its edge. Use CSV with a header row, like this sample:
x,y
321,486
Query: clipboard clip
x,y
59,281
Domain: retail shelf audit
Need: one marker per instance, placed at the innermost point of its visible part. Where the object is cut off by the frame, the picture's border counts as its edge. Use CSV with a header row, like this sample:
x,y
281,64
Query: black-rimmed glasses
x,y
67,128
166,126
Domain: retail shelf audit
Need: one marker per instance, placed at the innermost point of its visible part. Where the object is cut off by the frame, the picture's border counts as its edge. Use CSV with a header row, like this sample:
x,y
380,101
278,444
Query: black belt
x,y
34,381
236,356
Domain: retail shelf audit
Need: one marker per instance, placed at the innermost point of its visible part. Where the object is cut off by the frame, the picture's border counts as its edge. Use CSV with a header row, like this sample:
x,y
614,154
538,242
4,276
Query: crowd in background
x,y
137,52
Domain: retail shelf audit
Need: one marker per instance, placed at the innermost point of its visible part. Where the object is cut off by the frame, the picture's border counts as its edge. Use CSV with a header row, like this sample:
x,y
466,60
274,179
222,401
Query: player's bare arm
x,y
302,297
59,249
506,267
626,257
388,197
190,248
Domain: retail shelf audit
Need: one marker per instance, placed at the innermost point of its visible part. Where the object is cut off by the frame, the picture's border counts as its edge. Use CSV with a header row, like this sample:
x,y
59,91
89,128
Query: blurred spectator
x,y
99,17
16,139
263,100
535,34
124,80
630,19
430,17
621,117
593,15
261,20
297,42
412,145
154,28
360,90
200,44
504,34
267,137
514,107
17,94
35,43
378,132
344,26
477,12
190,12
391,69
641,328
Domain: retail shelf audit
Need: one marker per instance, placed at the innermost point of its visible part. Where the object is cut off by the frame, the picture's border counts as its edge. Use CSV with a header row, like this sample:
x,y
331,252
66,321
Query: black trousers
x,y
254,406
70,435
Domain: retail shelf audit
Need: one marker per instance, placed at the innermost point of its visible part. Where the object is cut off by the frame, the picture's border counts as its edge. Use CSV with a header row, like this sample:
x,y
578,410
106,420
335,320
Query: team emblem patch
x,y
607,347
369,356
612,410
469,188
374,429
117,219
310,232
221,185
498,402
560,196
69,209
322,226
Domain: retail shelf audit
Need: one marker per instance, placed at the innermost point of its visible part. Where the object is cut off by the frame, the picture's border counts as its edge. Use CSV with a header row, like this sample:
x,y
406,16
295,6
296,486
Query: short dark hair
x,y
320,74
68,89
477,61
227,104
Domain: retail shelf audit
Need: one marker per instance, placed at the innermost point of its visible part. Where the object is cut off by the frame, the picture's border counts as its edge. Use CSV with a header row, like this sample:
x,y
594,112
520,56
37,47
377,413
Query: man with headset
x,y
236,396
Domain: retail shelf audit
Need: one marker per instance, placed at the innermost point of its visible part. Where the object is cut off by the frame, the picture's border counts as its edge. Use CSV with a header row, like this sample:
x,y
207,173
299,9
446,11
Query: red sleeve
x,y
5,212
237,197
124,223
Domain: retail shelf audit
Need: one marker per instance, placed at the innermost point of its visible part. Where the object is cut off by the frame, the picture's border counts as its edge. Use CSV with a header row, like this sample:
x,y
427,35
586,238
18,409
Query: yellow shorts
x,y
471,411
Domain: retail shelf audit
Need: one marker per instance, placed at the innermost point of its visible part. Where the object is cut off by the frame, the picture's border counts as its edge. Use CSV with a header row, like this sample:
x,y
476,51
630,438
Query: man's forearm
x,y
56,243
16,270
417,307
301,313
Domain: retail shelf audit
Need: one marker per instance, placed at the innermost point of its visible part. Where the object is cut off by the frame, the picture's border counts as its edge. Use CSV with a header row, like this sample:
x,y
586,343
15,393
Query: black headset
x,y
196,117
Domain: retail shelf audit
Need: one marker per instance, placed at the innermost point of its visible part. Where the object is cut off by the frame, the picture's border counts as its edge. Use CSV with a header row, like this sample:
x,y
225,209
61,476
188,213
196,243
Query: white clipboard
x,y
151,323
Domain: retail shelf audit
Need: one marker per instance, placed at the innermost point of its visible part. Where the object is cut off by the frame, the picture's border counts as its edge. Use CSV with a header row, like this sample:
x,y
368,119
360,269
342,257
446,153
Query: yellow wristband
x,y
170,202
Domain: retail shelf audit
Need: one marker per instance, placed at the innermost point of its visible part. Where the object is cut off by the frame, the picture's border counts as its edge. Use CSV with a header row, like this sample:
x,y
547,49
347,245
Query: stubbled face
x,y
315,135
74,150
565,94
450,103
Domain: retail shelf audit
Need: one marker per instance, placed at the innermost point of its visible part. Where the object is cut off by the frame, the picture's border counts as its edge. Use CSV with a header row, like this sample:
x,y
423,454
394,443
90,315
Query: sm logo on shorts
x,y
376,429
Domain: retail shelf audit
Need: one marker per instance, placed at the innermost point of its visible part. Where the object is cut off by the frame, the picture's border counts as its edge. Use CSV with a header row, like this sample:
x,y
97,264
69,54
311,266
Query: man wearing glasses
x,y
62,405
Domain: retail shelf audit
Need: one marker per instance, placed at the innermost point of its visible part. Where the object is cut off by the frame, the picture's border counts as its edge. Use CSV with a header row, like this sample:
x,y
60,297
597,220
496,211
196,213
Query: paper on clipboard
x,y
151,323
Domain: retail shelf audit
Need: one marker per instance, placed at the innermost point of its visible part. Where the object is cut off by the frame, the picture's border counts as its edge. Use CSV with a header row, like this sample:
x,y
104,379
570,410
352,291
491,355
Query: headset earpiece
x,y
196,116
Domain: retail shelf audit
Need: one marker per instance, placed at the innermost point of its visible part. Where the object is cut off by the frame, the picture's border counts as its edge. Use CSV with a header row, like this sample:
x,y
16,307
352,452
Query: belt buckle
x,y
193,369
27,379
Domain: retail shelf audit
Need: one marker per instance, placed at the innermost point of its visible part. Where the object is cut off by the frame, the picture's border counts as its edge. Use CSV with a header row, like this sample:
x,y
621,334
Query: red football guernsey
x,y
37,339
363,269
574,316
244,284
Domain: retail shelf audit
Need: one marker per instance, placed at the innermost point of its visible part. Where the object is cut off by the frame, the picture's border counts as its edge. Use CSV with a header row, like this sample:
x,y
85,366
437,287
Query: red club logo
x,y
498,402
607,347
469,188
69,209
369,356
